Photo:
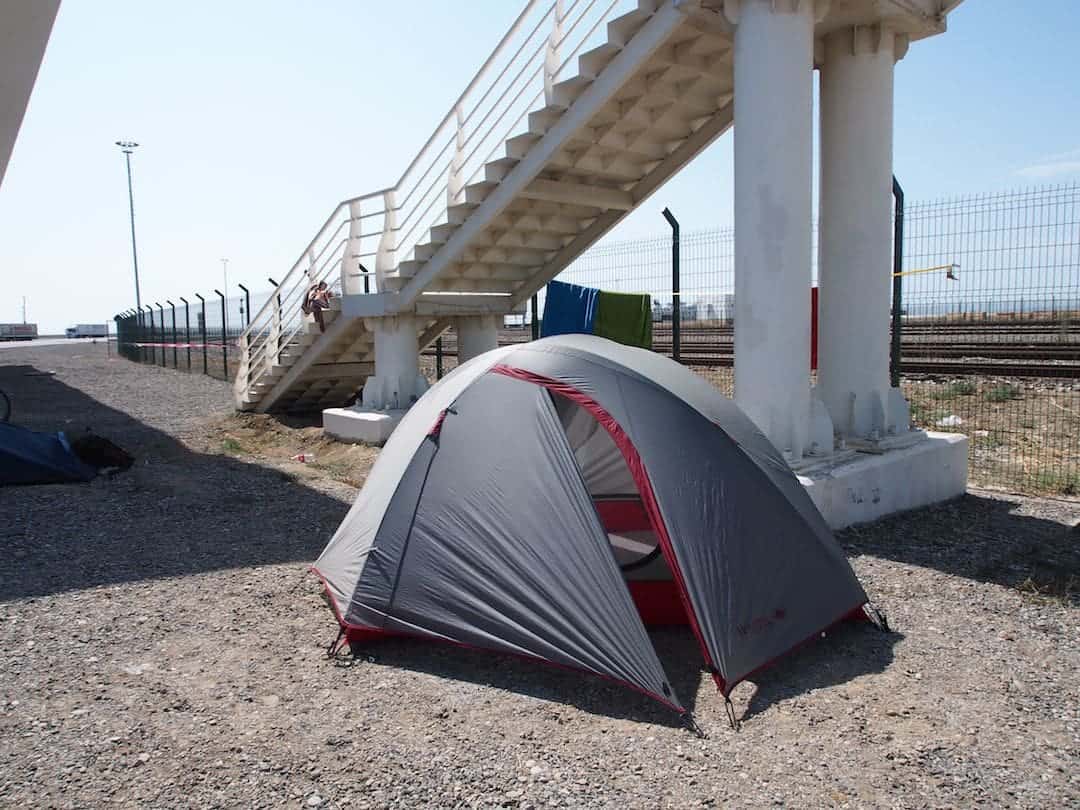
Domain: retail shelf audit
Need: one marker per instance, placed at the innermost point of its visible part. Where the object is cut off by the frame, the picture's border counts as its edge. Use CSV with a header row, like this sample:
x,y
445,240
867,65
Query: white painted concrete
x,y
352,279
855,241
364,426
25,26
873,485
476,334
773,136
397,381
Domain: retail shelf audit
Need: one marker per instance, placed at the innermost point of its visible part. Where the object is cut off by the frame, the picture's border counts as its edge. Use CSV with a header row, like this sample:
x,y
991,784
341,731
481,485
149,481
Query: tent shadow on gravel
x,y
851,650
174,513
676,648
980,538
848,651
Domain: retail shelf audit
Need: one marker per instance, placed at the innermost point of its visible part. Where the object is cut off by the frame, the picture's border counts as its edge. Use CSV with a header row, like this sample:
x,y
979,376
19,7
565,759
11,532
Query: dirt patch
x,y
278,440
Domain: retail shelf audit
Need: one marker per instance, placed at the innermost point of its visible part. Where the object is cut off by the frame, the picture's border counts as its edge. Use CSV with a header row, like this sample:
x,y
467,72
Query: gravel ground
x,y
160,646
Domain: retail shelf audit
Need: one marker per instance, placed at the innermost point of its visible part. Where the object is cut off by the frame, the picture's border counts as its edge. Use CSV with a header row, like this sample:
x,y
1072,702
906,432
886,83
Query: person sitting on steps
x,y
316,300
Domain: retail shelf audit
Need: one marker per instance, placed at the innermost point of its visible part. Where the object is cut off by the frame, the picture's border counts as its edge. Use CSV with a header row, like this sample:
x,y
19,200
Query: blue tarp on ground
x,y
569,309
29,457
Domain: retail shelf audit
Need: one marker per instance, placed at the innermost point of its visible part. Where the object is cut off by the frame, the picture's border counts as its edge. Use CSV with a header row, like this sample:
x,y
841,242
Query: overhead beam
x,y
562,191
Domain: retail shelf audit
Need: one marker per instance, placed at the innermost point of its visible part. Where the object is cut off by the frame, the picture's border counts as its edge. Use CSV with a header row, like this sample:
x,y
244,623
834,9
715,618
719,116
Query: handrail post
x,y
676,301
202,329
552,59
224,337
274,338
187,330
350,256
242,341
455,183
897,283
384,255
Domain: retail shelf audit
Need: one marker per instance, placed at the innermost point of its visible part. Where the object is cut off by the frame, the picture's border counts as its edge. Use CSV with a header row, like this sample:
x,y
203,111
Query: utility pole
x,y
127,147
24,309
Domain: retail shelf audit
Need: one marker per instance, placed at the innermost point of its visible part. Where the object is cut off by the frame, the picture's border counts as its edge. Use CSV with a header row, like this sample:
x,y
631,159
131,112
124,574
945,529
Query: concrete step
x,y
591,63
496,170
478,192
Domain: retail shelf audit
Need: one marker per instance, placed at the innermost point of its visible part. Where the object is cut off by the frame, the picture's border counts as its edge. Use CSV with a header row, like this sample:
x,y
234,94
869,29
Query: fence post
x,y
676,301
161,342
175,362
224,337
187,330
150,338
897,283
203,330
247,305
535,317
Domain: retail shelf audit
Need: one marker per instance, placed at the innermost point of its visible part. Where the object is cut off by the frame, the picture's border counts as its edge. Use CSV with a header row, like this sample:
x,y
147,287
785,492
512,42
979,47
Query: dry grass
x,y
1024,435
276,440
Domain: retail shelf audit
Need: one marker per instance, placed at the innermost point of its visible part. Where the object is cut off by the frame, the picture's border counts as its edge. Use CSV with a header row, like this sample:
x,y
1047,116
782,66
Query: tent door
x,y
634,543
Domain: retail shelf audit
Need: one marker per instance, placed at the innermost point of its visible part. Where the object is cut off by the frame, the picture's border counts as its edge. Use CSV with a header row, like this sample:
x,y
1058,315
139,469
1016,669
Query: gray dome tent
x,y
544,497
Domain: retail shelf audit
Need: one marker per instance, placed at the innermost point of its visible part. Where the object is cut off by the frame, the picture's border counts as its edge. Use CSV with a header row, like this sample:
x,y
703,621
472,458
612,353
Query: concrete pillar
x,y
397,381
773,144
476,334
855,241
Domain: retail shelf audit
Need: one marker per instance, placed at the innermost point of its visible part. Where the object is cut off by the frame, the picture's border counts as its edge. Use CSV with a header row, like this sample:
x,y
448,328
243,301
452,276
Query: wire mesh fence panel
x,y
990,325
707,293
991,339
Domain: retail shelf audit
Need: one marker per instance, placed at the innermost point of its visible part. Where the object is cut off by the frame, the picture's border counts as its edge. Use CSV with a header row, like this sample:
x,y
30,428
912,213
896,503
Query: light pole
x,y
127,147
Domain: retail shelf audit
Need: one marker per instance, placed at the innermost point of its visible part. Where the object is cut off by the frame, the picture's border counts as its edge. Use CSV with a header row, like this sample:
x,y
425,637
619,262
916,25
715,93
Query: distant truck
x,y
87,330
18,331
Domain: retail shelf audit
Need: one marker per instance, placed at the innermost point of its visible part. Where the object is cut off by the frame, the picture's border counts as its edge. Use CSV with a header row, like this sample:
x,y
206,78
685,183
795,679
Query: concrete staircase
x,y
573,121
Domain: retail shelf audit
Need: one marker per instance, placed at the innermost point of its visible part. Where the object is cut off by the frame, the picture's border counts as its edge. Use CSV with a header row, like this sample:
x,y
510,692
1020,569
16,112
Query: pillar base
x,y
872,485
361,426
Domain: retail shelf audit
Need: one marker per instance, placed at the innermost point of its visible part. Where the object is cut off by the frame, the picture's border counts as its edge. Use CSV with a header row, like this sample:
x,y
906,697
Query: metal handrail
x,y
479,74
473,124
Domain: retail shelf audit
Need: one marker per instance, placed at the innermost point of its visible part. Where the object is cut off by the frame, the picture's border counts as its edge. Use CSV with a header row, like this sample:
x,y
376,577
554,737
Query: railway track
x,y
980,358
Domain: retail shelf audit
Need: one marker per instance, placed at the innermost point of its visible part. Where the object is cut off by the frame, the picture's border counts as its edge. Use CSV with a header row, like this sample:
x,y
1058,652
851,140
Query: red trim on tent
x,y
641,479
438,423
623,515
364,633
658,602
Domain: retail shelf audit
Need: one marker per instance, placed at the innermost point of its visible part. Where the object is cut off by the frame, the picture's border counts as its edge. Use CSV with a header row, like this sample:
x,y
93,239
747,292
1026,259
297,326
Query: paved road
x,y
30,344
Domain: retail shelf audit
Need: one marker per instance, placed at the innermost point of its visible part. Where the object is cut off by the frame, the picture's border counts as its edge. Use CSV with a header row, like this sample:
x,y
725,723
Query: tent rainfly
x,y
551,499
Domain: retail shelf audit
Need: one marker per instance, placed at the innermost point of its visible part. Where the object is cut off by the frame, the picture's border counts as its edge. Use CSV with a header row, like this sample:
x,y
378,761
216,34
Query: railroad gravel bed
x,y
160,645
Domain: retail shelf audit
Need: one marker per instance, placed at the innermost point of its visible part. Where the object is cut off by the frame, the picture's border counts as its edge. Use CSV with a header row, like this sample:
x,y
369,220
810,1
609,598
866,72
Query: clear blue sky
x,y
255,119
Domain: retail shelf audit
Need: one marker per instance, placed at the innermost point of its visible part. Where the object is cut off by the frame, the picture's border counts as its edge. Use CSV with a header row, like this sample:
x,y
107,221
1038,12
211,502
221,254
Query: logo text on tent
x,y
760,624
